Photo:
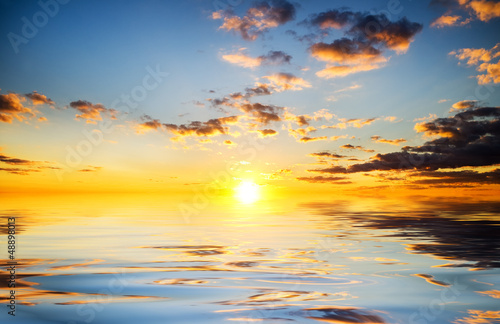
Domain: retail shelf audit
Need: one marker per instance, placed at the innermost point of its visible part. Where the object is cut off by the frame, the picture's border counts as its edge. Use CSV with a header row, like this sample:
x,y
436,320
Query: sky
x,y
201,96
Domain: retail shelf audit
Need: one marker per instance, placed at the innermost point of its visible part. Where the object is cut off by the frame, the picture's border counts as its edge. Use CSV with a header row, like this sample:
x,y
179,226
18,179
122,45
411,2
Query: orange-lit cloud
x,y
259,18
485,10
39,99
464,104
379,139
446,20
368,37
212,127
287,81
11,106
487,62
357,147
344,70
92,112
267,132
244,60
313,139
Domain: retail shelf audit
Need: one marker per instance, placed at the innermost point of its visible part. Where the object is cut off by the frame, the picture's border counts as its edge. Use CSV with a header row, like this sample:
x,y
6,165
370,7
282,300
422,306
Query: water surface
x,y
128,260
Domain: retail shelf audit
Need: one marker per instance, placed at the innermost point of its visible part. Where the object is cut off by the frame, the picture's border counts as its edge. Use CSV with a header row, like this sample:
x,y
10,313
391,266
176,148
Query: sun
x,y
247,192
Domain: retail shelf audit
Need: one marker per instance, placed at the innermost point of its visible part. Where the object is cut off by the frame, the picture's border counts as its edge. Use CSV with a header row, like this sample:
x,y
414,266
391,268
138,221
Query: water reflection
x,y
331,262
468,232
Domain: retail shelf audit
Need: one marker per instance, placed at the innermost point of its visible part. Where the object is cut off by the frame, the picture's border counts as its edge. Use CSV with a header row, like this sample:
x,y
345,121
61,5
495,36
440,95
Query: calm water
x,y
86,260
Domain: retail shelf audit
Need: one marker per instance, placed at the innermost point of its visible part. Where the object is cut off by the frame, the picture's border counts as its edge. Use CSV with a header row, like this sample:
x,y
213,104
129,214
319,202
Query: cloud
x,y
91,112
352,87
259,18
358,147
346,51
468,139
456,177
366,38
11,106
212,127
320,179
379,139
228,142
464,104
15,161
90,168
271,58
301,132
322,155
482,58
333,19
149,125
427,118
287,81
39,99
446,21
262,114
483,9
23,166
242,60
313,139
267,132
343,70
353,122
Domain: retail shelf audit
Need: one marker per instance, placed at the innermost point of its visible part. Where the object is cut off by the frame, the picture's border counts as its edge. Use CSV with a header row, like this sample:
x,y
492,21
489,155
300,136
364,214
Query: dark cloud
x,y
209,128
15,161
259,90
327,155
275,58
367,36
212,127
259,18
358,147
263,114
24,167
457,177
92,112
333,19
470,138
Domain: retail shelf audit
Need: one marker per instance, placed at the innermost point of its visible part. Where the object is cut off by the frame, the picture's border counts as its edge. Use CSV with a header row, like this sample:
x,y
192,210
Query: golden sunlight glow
x,y
247,192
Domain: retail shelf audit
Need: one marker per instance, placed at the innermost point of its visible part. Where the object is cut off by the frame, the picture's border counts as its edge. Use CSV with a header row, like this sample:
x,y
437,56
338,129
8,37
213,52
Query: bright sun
x,y
247,192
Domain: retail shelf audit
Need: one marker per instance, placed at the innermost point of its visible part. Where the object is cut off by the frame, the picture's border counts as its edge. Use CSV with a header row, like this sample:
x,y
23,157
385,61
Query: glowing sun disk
x,y
247,192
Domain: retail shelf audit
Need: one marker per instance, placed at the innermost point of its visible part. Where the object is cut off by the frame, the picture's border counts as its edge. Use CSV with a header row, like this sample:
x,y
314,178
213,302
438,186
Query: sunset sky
x,y
186,96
